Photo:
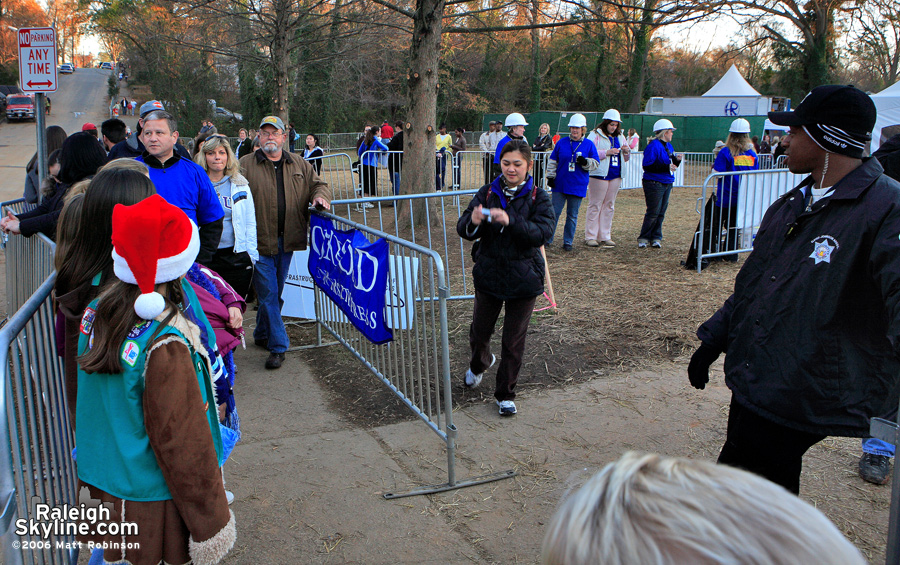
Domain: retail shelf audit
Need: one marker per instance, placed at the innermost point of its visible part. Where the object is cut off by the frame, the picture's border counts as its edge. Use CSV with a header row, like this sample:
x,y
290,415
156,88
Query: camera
x,y
486,214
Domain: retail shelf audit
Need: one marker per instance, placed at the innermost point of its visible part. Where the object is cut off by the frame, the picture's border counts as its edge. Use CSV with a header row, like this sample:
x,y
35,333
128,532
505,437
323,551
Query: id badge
x,y
571,166
614,162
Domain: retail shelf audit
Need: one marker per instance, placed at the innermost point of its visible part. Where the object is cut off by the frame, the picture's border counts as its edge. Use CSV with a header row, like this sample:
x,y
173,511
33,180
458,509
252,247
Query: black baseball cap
x,y
841,106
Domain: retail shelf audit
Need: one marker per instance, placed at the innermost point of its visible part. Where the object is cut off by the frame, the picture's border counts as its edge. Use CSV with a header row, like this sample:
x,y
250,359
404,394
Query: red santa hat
x,y
153,242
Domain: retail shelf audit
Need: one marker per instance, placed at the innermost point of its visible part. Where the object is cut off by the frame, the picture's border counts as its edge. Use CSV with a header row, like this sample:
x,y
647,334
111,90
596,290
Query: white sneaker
x,y
368,205
507,407
473,380
229,496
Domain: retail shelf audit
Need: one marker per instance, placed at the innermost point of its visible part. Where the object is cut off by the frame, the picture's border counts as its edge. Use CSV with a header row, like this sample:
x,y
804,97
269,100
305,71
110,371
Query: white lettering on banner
x,y
341,256
361,313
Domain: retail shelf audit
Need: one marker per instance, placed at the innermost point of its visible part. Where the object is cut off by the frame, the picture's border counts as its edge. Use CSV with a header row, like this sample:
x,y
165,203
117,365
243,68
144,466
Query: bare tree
x,y
875,41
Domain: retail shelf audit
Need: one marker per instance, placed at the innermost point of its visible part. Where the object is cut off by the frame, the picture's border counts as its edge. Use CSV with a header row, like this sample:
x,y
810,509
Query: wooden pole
x,y
549,281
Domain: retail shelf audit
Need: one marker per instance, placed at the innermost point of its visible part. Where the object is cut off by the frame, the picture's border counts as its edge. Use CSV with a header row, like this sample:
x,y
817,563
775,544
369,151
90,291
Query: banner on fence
x,y
353,272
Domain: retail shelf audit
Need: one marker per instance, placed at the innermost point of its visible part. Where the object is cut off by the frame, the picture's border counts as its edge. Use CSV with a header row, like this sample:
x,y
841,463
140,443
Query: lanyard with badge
x,y
575,155
614,160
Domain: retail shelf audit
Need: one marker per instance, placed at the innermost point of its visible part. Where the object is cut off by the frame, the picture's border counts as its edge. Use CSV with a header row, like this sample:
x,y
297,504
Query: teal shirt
x,y
114,451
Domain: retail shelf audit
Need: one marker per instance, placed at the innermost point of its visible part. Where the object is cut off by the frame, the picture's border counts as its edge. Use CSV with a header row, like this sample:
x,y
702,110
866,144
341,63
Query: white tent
x,y
887,103
732,83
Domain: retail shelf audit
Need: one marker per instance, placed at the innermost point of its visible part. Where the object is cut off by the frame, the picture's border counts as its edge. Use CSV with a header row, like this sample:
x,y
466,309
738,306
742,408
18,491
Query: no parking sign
x,y
37,59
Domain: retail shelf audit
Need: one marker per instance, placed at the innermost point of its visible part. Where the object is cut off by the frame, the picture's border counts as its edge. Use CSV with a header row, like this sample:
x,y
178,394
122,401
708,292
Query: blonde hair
x,y
659,134
650,509
737,143
76,189
542,127
213,142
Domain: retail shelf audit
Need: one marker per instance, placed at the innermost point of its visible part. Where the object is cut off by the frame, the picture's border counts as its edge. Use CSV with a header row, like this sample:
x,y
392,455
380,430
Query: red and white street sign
x,y
37,59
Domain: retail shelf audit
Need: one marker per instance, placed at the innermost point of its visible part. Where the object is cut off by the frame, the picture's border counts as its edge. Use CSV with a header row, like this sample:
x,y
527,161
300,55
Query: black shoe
x,y
264,343
875,469
567,247
275,360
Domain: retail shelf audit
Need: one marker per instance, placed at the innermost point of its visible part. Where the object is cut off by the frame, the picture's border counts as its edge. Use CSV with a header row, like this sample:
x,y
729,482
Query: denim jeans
x,y
572,204
656,194
268,280
878,447
440,171
395,180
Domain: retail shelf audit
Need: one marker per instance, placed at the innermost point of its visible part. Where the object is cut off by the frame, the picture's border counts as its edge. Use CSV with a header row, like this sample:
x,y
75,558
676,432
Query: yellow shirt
x,y
444,141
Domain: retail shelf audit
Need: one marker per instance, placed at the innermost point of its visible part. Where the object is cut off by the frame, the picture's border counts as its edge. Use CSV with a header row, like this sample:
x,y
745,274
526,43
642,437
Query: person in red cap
x,y
811,335
90,128
148,431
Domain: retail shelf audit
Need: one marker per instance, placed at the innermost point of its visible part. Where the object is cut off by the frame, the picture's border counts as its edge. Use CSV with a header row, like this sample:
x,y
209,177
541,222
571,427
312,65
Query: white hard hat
x,y
740,125
663,124
577,121
515,119
612,115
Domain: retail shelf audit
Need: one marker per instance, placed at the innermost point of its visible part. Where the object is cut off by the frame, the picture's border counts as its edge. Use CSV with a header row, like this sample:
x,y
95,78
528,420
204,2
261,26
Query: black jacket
x,y
43,217
812,331
889,157
508,261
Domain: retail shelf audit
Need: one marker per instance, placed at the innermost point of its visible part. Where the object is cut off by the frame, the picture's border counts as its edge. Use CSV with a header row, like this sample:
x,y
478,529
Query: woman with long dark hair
x,y
80,158
369,168
313,153
605,180
53,140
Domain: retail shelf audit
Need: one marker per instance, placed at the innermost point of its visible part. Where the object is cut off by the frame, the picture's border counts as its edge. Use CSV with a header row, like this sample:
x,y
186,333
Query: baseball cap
x,y
272,121
88,126
150,106
841,106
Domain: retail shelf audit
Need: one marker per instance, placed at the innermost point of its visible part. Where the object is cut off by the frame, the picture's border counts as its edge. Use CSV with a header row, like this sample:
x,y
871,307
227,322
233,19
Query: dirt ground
x,y
603,375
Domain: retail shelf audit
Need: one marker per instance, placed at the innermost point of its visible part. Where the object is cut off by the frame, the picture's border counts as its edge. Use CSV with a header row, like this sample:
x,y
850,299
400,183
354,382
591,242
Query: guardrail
x,y
415,364
718,235
36,439
29,260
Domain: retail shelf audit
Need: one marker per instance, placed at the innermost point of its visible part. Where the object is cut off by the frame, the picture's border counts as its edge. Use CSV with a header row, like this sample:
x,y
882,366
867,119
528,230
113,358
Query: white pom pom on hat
x,y
153,242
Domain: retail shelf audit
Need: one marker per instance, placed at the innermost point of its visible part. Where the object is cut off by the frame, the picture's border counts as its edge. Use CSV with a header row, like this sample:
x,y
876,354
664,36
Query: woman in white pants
x,y
605,180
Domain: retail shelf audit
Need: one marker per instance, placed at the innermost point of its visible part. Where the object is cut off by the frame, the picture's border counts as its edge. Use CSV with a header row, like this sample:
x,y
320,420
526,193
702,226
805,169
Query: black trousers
x,y
235,268
487,161
761,446
512,345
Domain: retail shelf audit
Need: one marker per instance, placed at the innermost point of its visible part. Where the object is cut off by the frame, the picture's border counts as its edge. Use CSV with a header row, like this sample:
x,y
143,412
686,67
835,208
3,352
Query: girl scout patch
x,y
87,321
130,352
139,329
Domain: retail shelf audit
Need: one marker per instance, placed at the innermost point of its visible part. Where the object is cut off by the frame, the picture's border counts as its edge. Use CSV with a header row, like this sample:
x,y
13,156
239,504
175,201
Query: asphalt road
x,y
81,98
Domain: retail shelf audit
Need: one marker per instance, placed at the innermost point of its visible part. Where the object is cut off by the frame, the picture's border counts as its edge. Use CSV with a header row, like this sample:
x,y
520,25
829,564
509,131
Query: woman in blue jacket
x,y
660,163
567,174
369,169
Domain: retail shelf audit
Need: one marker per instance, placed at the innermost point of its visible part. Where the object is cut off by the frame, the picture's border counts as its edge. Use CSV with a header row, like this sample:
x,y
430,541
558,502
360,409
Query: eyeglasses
x,y
276,133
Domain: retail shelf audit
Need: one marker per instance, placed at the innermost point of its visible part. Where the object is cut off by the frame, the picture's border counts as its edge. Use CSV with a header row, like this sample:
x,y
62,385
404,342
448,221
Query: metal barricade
x,y
36,440
695,167
377,180
395,215
415,364
29,260
337,171
732,229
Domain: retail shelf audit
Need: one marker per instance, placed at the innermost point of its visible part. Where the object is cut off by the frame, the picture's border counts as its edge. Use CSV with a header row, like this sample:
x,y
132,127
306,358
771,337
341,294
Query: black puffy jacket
x,y
508,261
811,334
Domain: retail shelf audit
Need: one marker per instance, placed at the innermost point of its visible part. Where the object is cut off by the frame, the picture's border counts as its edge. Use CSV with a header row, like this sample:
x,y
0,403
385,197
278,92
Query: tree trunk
x,y
534,104
420,131
637,76
281,63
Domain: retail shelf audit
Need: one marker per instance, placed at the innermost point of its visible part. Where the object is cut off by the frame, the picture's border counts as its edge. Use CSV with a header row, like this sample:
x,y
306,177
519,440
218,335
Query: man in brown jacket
x,y
283,187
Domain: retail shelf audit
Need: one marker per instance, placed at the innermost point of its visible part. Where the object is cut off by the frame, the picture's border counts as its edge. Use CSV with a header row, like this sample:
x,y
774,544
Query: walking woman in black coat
x,y
509,220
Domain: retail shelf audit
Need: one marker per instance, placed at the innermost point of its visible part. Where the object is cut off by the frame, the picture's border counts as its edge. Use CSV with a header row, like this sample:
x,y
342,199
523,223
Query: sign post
x,y
37,74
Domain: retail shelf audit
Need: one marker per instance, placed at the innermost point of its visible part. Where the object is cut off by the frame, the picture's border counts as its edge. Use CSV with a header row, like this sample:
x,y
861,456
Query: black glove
x,y
698,369
551,181
581,161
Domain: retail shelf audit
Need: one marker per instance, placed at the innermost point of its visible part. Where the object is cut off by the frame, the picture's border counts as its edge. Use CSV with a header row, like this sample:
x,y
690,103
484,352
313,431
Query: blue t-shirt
x,y
186,185
575,182
615,162
656,156
727,189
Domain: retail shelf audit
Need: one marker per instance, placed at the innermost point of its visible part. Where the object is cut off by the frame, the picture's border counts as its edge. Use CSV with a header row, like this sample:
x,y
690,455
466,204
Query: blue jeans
x,y
572,204
395,180
268,280
656,194
440,172
878,447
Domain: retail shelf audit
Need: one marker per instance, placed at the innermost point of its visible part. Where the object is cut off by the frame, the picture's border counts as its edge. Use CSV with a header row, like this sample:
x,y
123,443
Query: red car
x,y
19,107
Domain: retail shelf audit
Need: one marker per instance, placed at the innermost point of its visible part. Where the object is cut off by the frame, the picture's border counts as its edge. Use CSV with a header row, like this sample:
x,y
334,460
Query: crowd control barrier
x,y
36,441
29,260
731,230
415,364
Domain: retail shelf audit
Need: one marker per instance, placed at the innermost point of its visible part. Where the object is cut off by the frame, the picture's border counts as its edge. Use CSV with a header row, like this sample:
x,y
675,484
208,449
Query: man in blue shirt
x,y
181,182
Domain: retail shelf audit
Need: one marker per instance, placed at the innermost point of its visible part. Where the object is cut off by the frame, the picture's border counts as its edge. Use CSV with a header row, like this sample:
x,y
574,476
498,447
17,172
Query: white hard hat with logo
x,y
612,115
515,119
663,124
577,121
740,125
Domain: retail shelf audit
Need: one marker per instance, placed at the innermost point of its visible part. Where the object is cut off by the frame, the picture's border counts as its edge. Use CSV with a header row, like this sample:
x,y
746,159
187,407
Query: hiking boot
x,y
507,407
264,343
656,244
473,380
591,243
275,360
875,469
